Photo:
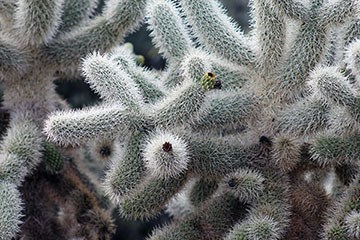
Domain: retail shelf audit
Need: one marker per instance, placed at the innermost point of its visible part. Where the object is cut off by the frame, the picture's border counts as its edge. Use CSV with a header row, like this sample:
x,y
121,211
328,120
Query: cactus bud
x,y
166,155
208,81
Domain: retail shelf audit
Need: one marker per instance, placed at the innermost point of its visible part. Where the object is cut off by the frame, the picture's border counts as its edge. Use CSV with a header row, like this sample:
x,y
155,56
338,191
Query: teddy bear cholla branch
x,y
218,96
41,40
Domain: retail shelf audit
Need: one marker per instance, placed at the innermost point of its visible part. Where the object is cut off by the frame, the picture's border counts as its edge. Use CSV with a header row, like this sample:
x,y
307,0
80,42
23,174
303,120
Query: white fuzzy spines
x,y
166,155
168,31
37,21
352,58
329,83
74,128
216,31
352,224
111,82
10,210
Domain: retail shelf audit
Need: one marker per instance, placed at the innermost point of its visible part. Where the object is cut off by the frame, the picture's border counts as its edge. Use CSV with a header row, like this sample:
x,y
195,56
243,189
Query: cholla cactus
x,y
40,41
246,126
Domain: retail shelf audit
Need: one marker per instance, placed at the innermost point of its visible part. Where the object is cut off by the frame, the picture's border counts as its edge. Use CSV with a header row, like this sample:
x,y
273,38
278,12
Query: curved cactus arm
x,y
20,154
36,22
168,31
338,12
75,13
211,221
146,80
269,214
12,168
13,60
339,223
305,117
291,8
104,32
151,196
330,84
210,158
222,110
78,127
245,184
127,168
111,82
335,88
216,32
333,150
307,51
20,151
180,106
269,29
10,210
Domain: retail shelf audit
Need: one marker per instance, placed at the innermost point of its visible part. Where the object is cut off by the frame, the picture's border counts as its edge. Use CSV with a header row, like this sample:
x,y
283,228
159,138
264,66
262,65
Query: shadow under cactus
x,y
61,205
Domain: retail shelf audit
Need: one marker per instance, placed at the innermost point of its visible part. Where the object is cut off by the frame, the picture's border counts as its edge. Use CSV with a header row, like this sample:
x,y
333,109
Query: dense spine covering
x,y
250,117
126,172
74,13
14,61
341,224
36,22
86,124
166,155
10,210
119,18
217,32
98,68
21,151
19,156
269,28
145,79
40,41
168,31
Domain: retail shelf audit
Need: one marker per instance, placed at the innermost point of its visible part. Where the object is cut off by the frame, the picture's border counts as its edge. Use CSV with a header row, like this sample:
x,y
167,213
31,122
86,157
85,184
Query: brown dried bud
x,y
167,147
